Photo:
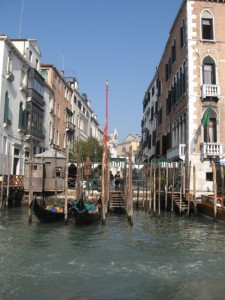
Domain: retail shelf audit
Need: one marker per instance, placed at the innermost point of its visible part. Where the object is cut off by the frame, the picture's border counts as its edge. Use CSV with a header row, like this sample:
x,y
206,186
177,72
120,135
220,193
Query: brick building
x,y
189,81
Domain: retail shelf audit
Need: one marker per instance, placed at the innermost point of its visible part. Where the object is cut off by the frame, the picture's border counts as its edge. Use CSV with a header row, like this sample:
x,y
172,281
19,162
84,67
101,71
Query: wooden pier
x,y
117,201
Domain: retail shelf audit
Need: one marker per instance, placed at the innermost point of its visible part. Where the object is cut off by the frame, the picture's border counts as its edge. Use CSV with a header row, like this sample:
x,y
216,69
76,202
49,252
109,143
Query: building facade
x,y
40,108
189,84
22,103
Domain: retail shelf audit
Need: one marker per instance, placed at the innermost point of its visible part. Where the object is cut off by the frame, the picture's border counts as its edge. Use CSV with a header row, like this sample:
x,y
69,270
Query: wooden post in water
x,y
214,190
150,189
166,189
189,182
181,186
66,185
184,179
159,189
104,187
30,199
194,187
154,189
55,170
8,176
138,188
107,185
2,184
173,180
222,179
130,191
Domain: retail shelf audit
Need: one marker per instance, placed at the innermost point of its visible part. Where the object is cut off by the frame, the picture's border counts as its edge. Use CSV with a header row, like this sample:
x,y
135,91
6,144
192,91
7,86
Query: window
x,y
208,70
30,55
16,151
21,116
209,176
44,74
207,26
182,35
9,63
37,63
173,56
6,109
210,131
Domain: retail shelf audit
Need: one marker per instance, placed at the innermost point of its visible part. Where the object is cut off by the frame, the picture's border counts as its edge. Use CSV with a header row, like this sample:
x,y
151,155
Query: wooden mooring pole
x,y
194,188
166,188
173,180
66,185
214,190
154,189
2,185
30,199
150,190
181,187
159,188
129,199
189,181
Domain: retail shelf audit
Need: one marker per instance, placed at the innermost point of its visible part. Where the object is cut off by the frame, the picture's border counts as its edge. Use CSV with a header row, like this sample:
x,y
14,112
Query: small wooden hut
x,y
48,172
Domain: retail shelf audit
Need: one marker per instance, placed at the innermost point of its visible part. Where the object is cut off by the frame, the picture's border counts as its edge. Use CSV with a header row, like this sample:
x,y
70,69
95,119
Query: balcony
x,y
23,87
9,76
34,133
33,95
210,91
70,128
177,152
7,122
211,150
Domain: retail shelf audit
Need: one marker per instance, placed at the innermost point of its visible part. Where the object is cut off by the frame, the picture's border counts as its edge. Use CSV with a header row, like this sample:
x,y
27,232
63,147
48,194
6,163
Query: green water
x,y
170,257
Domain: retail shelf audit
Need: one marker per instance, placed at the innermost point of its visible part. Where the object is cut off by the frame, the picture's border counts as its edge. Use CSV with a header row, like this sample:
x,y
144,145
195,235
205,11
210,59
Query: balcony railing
x,y
177,152
35,134
211,149
32,95
70,127
210,90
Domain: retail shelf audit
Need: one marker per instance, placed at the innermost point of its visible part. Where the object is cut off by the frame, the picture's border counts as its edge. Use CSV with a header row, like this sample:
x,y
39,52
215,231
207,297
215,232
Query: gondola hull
x,y
86,217
45,215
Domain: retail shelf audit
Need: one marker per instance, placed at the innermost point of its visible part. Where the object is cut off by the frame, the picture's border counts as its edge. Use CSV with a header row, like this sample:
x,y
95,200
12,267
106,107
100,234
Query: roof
x,y
50,153
131,138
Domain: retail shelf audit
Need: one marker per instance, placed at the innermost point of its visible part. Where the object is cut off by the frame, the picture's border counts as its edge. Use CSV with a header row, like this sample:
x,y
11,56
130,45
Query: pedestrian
x,y
117,180
111,181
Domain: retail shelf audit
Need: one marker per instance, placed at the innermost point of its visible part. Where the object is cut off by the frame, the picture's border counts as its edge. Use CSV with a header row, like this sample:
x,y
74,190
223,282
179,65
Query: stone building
x,y
189,84
40,108
22,103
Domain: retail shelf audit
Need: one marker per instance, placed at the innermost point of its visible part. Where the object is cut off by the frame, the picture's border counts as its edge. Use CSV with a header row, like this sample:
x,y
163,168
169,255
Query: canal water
x,y
166,257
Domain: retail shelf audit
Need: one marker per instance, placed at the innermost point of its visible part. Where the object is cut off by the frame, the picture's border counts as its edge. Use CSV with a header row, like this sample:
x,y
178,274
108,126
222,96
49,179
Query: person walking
x,y
117,180
111,181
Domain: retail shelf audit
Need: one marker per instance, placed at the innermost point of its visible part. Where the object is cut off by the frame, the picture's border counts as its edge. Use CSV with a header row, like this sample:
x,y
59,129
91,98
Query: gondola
x,y
85,213
46,214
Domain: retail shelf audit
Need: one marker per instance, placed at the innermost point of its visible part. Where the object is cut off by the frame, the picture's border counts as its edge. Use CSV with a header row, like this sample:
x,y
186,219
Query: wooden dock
x,y
117,201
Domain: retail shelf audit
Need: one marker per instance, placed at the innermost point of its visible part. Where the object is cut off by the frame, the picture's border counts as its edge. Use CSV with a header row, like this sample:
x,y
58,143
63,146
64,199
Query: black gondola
x,y
85,213
46,215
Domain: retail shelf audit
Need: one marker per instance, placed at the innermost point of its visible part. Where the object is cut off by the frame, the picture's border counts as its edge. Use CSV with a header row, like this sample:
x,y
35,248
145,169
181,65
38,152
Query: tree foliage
x,y
91,147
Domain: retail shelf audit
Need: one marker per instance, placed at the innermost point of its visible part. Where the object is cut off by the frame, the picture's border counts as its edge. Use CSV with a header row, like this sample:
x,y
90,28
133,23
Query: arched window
x,y
207,26
208,70
210,131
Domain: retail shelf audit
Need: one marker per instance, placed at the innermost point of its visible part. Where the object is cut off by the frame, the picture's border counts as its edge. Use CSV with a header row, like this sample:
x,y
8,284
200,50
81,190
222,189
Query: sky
x,y
121,41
